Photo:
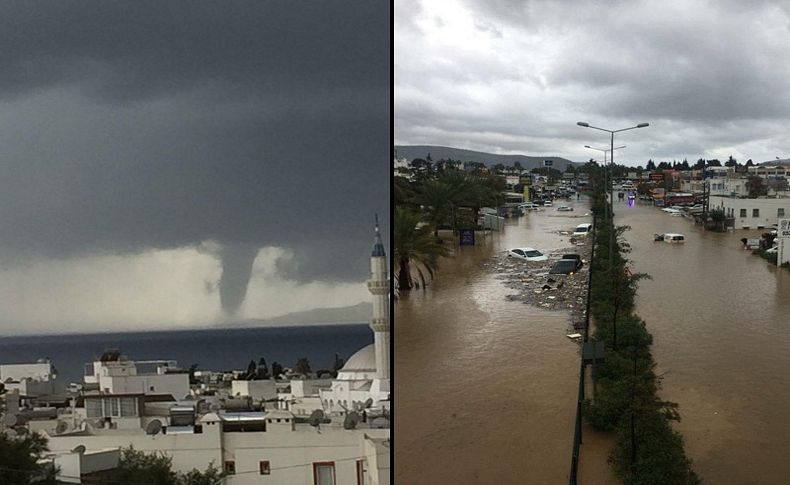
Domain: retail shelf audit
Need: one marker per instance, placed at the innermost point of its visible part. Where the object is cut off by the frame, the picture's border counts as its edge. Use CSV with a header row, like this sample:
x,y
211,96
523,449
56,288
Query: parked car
x,y
527,254
547,203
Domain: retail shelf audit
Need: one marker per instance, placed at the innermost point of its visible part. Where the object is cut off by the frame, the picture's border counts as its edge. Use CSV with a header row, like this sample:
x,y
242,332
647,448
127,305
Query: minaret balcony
x,y
378,287
380,324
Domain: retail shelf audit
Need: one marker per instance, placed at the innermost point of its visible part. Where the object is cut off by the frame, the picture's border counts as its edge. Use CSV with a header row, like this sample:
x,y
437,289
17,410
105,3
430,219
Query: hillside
x,y
411,152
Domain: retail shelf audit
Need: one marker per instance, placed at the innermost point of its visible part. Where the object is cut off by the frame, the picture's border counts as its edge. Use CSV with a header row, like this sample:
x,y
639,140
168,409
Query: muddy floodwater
x,y
721,322
486,384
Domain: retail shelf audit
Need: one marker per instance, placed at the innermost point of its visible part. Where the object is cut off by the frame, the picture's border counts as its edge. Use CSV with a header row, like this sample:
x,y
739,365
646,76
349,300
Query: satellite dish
x,y
61,427
351,420
368,403
154,427
79,449
316,417
380,423
10,420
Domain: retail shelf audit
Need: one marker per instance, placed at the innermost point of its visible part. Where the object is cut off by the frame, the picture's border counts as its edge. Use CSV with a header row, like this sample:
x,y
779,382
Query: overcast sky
x,y
158,156
515,76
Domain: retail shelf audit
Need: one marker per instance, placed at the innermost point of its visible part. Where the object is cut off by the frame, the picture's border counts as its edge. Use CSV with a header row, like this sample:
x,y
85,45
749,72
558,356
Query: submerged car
x,y
527,254
566,266
582,229
564,208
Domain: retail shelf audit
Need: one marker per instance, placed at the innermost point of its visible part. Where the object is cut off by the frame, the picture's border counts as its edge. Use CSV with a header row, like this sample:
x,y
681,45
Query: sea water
x,y
214,349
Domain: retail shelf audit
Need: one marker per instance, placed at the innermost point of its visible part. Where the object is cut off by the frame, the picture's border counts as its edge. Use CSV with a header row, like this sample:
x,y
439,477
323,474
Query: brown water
x,y
720,318
485,387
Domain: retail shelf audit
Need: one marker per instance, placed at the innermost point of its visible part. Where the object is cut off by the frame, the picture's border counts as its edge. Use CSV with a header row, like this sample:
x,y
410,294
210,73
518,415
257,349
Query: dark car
x,y
575,257
566,266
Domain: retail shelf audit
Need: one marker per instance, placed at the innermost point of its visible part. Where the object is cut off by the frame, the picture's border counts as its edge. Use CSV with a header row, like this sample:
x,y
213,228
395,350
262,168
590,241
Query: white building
x,y
364,381
29,379
752,213
113,373
255,448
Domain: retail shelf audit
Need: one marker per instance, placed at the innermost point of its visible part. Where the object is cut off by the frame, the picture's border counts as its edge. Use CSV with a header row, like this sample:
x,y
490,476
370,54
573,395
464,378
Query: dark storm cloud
x,y
136,125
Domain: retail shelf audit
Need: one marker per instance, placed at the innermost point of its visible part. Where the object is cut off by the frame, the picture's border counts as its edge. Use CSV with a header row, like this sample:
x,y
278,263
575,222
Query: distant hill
x,y
411,152
359,313
783,162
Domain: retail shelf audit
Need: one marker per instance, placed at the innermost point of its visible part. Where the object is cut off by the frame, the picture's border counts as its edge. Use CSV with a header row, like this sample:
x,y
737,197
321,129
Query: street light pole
x,y
611,207
605,182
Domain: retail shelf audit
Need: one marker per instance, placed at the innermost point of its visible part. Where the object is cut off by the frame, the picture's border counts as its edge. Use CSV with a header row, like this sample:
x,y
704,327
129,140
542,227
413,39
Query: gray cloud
x,y
710,70
129,126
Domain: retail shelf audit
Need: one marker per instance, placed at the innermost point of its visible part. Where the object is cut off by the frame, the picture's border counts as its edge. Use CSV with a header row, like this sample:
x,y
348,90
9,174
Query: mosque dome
x,y
364,360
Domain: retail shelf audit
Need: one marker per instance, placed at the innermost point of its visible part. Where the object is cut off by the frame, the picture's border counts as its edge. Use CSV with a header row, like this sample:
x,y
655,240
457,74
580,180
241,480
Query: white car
x,y
564,208
773,250
527,254
547,203
582,229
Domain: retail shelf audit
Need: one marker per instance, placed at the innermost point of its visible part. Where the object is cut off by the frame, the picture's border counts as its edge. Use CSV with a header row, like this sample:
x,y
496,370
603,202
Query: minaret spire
x,y
378,246
378,285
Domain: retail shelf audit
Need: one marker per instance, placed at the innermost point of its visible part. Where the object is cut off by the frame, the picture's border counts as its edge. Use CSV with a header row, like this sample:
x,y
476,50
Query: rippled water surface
x,y
485,387
721,322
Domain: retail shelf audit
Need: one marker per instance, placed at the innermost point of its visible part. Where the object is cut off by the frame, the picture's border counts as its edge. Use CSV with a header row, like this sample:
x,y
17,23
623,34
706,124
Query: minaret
x,y
378,285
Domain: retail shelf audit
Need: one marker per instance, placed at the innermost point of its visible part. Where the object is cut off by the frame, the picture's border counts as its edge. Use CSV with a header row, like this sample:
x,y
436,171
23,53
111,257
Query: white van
x,y
582,229
674,238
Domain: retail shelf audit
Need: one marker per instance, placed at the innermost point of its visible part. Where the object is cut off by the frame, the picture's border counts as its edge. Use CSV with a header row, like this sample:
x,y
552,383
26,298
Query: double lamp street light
x,y
611,205
612,148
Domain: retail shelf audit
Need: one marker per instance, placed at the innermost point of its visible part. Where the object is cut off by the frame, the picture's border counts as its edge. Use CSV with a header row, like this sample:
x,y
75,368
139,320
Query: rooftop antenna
x,y
351,420
154,427
79,449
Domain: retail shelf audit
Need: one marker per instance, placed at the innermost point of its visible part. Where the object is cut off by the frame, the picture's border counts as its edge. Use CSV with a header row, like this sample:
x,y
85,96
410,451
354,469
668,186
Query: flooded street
x,y
485,387
719,317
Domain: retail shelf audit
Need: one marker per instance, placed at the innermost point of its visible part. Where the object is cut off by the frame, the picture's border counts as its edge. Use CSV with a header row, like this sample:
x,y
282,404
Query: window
x,y
230,467
360,472
324,473
780,212
113,408
265,467
743,212
755,212
128,406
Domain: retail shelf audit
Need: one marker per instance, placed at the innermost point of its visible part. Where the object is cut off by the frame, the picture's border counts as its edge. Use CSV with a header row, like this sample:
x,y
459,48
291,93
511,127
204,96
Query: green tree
x,y
651,166
756,186
19,457
414,246
302,366
212,476
140,468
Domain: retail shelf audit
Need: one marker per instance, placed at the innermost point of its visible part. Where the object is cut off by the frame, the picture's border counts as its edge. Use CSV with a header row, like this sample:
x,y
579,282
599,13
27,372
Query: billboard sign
x,y
467,237
783,229
548,163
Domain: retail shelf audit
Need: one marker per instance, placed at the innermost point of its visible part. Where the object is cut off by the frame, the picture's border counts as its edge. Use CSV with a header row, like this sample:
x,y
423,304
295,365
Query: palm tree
x,y
414,246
